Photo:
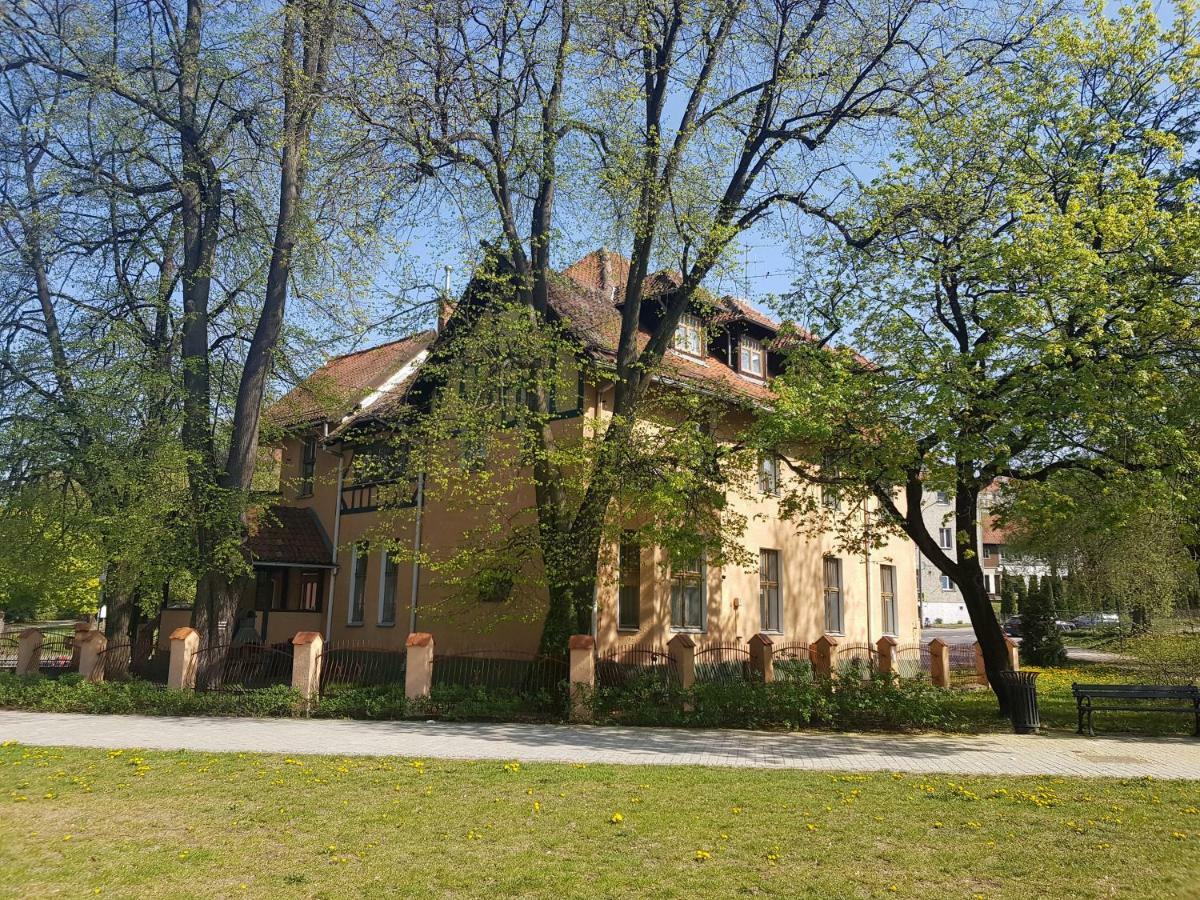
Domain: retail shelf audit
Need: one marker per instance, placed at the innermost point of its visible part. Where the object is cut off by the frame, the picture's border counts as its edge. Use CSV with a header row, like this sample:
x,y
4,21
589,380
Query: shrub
x,y
382,701
72,693
1041,642
877,702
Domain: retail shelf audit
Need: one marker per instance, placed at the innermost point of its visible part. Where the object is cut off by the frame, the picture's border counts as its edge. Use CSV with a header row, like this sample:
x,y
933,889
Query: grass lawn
x,y
123,823
1057,709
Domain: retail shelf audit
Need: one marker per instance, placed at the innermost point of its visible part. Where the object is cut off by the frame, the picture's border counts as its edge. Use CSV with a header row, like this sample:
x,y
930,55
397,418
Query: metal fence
x,y
246,667
58,654
792,662
912,661
629,666
962,665
140,659
9,641
723,664
855,661
360,664
500,682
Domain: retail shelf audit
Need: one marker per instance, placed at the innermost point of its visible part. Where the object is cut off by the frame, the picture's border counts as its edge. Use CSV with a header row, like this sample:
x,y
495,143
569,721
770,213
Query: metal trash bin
x,y
1022,701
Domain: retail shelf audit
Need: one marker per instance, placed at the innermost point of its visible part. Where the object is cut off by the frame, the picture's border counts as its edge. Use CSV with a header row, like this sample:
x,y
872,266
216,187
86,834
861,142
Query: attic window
x,y
689,336
750,357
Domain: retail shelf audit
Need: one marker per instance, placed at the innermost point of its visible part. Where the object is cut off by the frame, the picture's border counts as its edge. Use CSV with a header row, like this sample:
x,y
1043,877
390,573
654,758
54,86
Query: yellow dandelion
x,y
616,818
702,855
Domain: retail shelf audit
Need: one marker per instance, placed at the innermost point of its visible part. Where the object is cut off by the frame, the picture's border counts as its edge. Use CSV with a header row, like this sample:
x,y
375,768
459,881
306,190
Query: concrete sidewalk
x,y
997,754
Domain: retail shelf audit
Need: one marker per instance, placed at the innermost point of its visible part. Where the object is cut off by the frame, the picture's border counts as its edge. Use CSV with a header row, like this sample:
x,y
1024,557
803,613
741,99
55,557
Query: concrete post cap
x,y
938,642
581,642
306,637
760,638
827,639
419,639
183,632
681,640
886,641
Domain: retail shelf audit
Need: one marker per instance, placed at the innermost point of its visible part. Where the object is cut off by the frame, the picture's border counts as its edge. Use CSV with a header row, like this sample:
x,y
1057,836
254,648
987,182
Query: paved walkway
x,y
998,754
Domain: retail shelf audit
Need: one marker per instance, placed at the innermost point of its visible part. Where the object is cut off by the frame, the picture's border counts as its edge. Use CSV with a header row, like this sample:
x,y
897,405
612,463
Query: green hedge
x,y
71,693
877,703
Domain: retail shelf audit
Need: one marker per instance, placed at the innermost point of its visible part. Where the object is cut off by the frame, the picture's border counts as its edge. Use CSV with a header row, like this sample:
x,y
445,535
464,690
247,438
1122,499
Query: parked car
x,y
1012,626
1097,620
1064,625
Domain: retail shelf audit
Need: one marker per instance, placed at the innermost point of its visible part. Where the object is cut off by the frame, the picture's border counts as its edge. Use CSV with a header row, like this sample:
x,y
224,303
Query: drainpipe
x,y
337,525
416,564
867,565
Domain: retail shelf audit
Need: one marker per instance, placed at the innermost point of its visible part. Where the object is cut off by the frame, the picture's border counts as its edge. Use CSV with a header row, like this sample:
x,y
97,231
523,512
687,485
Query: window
x,y
947,585
943,497
987,582
265,590
308,465
689,336
768,475
629,593
831,496
358,583
834,622
310,591
389,573
768,590
687,595
751,356
566,395
988,550
887,596
946,538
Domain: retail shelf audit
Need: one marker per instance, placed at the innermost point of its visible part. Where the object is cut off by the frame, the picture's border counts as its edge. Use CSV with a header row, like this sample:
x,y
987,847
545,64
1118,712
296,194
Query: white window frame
x,y
947,584
703,626
768,475
751,357
946,538
689,335
836,591
887,599
386,562
354,599
764,586
943,497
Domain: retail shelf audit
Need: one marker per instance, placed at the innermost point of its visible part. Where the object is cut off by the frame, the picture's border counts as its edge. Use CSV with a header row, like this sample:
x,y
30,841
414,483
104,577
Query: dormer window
x,y
689,336
751,357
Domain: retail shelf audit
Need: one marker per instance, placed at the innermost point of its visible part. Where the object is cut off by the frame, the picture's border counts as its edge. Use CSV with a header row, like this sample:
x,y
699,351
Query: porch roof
x,y
288,536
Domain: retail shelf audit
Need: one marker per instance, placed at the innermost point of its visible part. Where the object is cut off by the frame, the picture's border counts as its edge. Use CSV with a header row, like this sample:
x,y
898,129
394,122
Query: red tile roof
x,y
288,534
341,384
993,532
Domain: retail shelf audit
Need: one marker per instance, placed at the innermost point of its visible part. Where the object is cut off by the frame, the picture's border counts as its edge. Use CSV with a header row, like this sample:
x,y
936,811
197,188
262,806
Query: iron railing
x,y
792,662
723,664
625,667
245,667
359,664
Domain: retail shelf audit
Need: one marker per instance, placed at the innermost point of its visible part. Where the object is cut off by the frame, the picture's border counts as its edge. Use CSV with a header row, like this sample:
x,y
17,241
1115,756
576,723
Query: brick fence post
x,y
980,665
682,650
29,652
418,669
885,649
185,642
306,663
939,663
762,657
821,654
81,630
582,675
1014,655
92,645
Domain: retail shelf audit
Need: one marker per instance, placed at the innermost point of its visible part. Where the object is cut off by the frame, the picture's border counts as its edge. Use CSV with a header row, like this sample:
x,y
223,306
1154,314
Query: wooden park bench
x,y
1091,697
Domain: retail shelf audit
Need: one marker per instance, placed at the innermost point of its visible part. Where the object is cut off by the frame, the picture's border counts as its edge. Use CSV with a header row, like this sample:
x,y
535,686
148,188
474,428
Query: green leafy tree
x,y
1041,642
1020,593
1008,595
1022,284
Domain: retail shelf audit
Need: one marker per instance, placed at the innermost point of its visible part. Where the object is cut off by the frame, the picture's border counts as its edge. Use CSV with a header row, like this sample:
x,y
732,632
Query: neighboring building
x,y
939,597
314,571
